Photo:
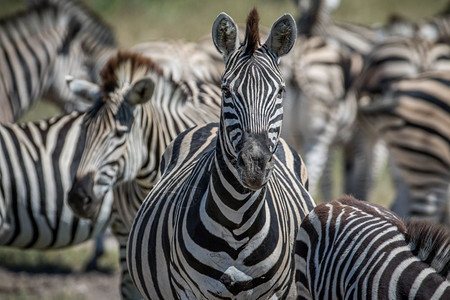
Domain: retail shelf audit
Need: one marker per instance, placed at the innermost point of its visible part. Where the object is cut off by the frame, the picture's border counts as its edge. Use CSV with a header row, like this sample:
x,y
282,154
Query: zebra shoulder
x,y
189,143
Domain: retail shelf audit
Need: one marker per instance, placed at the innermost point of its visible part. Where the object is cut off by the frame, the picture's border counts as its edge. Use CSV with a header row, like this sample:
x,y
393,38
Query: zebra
x,y
183,61
320,111
38,47
222,220
357,250
39,160
325,104
413,118
132,140
41,45
396,58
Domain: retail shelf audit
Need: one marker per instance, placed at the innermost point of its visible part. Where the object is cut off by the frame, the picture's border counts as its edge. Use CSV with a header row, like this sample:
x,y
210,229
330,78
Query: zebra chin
x,y
254,181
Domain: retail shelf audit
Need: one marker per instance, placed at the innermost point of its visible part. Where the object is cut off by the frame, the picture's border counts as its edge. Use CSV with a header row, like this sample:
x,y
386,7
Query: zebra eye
x,y
121,130
280,93
120,133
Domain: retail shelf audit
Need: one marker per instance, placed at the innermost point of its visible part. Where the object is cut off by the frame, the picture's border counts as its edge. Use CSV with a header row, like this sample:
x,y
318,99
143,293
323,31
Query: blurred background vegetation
x,y
136,21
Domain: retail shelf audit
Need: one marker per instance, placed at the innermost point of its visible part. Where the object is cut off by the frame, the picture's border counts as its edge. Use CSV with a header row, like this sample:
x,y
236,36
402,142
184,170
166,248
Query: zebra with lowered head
x,y
222,220
124,142
39,160
352,249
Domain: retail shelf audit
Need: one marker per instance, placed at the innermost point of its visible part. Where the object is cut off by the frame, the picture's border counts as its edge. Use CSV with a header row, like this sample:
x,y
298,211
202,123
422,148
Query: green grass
x,y
68,260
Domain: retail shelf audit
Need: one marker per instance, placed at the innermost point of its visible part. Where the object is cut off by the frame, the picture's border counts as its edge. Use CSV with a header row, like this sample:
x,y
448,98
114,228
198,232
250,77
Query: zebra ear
x,y
84,89
282,36
140,92
225,35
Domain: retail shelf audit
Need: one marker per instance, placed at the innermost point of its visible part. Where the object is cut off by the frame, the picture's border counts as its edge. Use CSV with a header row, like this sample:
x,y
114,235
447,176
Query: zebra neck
x,y
230,204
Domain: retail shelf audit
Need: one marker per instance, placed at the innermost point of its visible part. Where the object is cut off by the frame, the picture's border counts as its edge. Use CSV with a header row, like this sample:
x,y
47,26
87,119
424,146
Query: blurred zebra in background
x,y
357,250
319,112
413,117
222,220
97,37
124,143
38,46
324,107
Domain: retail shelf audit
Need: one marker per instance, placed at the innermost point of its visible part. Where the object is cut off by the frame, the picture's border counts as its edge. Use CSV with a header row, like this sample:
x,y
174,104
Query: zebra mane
x,y
251,40
430,242
126,67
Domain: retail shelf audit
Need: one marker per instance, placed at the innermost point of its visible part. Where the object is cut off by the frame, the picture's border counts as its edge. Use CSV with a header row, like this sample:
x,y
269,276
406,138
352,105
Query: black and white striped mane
x,y
430,242
251,40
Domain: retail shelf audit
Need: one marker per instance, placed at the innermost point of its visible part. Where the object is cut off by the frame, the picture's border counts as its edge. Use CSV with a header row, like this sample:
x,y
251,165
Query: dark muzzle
x,y
82,200
254,162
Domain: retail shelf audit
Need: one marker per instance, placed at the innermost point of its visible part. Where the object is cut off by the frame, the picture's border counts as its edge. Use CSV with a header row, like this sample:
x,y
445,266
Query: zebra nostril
x,y
87,200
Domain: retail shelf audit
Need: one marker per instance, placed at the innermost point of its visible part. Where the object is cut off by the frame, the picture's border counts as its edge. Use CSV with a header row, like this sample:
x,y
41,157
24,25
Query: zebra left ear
x,y
282,36
140,92
225,35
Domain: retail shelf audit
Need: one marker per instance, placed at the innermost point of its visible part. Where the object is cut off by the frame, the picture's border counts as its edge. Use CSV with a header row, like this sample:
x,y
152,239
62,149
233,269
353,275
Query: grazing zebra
x,y
38,47
413,118
221,222
126,142
357,250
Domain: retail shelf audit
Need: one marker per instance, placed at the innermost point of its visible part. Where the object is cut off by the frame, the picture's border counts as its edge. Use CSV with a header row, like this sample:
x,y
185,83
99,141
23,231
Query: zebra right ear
x,y
140,92
225,35
84,89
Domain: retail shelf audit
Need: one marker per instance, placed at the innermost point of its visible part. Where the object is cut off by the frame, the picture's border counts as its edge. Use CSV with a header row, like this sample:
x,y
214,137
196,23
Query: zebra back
x,y
354,249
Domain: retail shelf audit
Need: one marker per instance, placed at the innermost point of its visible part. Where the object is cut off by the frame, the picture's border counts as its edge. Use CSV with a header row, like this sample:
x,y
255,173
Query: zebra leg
x,y
98,252
316,160
326,183
365,157
127,287
401,204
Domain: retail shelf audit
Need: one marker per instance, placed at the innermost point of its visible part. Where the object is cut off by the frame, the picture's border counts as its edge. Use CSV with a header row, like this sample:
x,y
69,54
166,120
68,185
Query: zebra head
x,y
252,94
115,130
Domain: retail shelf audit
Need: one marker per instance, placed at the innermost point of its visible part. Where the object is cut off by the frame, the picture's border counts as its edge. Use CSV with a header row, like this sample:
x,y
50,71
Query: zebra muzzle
x,y
254,163
81,198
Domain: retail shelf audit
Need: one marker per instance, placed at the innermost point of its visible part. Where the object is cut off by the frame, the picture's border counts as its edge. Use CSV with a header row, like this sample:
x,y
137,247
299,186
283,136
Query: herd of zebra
x,y
178,148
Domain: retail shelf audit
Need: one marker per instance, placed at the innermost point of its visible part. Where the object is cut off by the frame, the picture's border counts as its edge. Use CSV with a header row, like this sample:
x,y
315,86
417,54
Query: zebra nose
x,y
81,198
254,163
